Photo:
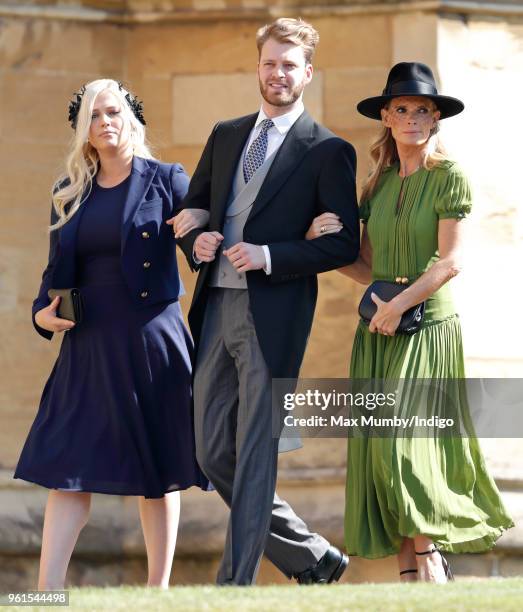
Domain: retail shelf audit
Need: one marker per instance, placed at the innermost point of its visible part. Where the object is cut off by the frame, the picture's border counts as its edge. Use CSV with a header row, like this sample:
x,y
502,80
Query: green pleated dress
x,y
397,486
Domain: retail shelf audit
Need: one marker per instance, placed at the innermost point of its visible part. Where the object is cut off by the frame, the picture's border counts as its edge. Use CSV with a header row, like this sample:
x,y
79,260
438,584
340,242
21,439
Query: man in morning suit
x,y
263,178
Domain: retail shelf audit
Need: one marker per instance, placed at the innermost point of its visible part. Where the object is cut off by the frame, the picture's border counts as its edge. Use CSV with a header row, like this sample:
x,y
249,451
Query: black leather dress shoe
x,y
328,569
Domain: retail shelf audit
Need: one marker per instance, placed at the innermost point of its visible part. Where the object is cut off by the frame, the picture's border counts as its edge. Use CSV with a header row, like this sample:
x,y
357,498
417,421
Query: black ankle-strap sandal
x,y
408,571
446,567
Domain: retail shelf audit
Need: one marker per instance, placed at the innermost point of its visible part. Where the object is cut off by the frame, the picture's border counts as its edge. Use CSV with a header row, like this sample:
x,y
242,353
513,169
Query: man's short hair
x,y
286,30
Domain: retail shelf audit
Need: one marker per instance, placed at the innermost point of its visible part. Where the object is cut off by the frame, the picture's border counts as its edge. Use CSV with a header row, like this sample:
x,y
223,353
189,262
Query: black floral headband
x,y
134,104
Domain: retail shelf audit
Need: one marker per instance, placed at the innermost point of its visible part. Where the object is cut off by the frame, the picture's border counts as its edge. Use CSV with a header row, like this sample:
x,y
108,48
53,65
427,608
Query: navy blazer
x,y
156,191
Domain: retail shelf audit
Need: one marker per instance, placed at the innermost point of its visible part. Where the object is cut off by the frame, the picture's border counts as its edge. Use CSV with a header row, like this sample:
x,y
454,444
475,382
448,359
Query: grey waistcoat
x,y
223,274
239,206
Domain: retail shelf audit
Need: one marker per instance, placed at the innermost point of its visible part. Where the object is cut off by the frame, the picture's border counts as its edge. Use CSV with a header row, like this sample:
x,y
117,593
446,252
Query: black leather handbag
x,y
411,319
71,304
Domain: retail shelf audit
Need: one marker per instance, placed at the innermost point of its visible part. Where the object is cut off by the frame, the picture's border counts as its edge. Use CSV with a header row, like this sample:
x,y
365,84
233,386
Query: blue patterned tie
x,y
256,154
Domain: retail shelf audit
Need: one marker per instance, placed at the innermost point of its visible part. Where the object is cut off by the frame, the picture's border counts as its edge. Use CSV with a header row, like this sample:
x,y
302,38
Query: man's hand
x,y
244,256
206,245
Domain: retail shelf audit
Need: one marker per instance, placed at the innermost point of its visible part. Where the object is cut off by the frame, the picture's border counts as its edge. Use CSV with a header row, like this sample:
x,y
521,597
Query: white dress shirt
x,y
275,135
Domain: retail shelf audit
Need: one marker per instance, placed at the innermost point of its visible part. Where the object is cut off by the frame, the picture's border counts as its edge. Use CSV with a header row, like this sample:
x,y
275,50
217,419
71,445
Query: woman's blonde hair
x,y
81,165
384,153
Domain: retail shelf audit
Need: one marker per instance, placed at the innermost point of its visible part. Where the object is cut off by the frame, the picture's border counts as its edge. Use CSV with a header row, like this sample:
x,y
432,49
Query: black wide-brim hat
x,y
410,79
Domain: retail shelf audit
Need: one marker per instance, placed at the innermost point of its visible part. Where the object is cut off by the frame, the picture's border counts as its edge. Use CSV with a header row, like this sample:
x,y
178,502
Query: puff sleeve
x,y
455,197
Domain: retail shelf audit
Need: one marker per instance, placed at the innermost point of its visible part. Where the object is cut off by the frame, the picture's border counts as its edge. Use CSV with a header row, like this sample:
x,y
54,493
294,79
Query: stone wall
x,y
176,69
193,62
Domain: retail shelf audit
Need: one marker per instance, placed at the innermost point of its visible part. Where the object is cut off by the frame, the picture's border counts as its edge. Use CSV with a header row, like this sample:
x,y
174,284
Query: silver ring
x,y
322,229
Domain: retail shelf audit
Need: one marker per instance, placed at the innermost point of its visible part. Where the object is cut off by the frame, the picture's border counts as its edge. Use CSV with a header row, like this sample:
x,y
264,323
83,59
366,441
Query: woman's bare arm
x,y
361,269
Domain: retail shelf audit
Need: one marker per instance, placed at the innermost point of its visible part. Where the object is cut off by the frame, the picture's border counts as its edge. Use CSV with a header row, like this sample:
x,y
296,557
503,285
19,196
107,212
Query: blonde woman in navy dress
x,y
115,415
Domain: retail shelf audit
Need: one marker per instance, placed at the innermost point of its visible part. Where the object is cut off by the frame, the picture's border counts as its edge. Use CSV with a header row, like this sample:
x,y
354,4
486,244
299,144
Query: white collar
x,y
283,123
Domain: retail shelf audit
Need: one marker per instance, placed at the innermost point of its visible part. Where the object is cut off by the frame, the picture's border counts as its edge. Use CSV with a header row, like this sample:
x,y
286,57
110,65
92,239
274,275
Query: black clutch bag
x,y
71,305
411,319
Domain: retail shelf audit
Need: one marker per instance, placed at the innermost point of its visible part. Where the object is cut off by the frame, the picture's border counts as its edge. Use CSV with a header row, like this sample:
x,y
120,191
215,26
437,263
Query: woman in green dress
x,y
412,496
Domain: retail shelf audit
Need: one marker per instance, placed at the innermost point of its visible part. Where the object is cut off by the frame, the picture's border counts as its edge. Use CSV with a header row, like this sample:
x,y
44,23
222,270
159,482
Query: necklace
x,y
410,173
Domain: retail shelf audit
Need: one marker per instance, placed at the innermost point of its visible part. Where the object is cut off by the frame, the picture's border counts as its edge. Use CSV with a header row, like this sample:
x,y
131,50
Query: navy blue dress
x,y
115,415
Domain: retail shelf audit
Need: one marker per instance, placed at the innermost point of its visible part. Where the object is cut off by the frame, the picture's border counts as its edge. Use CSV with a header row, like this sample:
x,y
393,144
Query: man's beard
x,y
285,98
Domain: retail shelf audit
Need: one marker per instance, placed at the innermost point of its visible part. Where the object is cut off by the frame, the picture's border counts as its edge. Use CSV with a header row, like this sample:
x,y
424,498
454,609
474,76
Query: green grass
x,y
490,594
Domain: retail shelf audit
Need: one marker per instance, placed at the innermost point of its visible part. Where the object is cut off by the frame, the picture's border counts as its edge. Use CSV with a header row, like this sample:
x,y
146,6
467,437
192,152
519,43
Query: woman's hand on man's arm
x,y
187,220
